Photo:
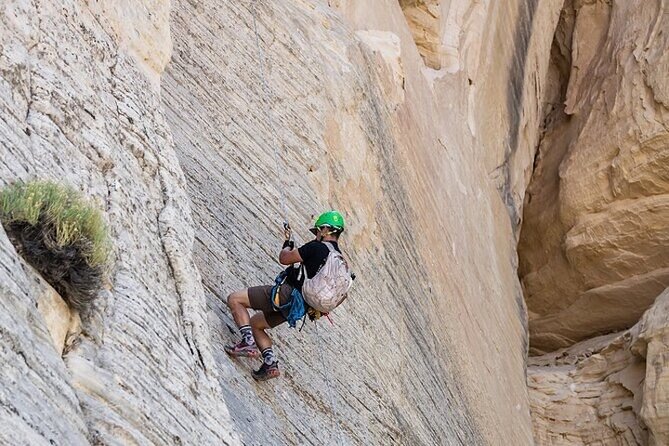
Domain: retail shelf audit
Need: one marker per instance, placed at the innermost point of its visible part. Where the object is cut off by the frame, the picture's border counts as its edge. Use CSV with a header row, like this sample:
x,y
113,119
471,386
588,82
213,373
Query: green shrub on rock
x,y
60,234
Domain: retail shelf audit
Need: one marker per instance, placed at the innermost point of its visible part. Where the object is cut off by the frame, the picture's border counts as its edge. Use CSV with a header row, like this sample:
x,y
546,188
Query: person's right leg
x,y
258,326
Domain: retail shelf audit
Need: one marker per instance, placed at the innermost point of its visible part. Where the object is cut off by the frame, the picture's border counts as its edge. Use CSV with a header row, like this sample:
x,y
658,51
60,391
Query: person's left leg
x,y
238,302
259,323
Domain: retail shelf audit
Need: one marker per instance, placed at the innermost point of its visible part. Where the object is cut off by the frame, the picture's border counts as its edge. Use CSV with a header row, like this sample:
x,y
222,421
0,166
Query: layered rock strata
x,y
361,125
591,248
419,120
79,104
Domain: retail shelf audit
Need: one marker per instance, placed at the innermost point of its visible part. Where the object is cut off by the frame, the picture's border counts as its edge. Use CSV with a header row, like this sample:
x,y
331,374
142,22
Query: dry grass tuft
x,y
62,235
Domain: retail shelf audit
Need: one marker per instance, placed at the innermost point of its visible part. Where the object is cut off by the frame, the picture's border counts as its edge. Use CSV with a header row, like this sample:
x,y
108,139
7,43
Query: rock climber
x,y
285,305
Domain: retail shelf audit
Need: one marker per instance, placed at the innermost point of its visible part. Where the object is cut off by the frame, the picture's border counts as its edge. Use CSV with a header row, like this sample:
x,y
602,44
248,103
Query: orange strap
x,y
276,298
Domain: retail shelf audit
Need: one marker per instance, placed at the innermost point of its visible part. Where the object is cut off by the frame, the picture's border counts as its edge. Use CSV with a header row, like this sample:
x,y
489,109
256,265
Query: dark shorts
x,y
260,299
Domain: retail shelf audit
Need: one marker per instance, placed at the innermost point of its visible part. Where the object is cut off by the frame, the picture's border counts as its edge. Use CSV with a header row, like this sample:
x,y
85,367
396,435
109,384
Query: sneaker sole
x,y
242,354
270,375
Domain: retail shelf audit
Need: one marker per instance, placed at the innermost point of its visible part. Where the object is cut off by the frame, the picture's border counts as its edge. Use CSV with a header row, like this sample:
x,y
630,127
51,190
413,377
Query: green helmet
x,y
332,219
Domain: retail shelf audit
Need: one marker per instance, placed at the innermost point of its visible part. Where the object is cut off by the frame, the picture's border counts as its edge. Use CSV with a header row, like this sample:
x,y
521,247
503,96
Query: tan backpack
x,y
328,288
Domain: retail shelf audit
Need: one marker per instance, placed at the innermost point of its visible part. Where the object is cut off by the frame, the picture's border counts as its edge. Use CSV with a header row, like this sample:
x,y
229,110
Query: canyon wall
x,y
431,345
80,104
593,241
592,248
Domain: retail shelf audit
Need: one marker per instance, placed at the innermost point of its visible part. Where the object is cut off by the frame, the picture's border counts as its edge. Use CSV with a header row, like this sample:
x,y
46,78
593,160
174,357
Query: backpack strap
x,y
329,246
330,249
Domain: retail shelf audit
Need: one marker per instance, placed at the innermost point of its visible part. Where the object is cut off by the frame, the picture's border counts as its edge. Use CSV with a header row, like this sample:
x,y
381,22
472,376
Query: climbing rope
x,y
282,197
268,114
326,375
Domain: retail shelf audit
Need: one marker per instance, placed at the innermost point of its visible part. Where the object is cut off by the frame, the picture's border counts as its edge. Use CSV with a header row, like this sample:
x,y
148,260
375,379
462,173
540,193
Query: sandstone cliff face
x,y
593,239
592,247
420,120
77,107
364,125
607,390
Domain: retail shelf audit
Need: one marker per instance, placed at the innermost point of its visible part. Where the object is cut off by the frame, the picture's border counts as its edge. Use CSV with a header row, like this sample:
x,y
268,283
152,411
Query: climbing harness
x,y
268,113
294,309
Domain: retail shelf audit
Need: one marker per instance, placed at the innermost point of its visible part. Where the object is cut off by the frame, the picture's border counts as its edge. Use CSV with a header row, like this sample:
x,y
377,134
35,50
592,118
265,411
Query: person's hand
x,y
287,232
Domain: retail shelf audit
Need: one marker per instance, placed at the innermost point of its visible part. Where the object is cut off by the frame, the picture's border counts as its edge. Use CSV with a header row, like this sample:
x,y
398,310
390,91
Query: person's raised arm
x,y
288,256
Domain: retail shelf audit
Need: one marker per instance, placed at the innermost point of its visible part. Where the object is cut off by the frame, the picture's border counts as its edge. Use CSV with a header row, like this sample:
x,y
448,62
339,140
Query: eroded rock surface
x,y
420,121
362,125
424,20
610,390
593,246
77,106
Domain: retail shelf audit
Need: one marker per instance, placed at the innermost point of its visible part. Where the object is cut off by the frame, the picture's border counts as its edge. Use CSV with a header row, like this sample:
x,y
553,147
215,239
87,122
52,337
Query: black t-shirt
x,y
314,254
